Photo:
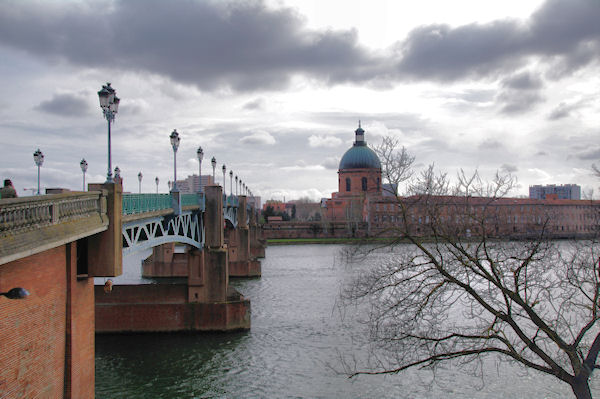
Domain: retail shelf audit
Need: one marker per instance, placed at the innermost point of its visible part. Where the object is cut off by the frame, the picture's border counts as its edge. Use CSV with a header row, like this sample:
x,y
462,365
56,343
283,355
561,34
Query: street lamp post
x,y
38,158
16,293
140,176
170,184
109,103
236,185
200,155
224,173
213,162
175,139
231,181
84,166
156,180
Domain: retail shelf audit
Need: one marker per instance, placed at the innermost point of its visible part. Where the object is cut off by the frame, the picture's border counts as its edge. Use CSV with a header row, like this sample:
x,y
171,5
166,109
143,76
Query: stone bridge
x,y
220,236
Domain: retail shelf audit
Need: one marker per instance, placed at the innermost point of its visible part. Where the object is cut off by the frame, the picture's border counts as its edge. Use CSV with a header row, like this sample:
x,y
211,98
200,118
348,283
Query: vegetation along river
x,y
299,336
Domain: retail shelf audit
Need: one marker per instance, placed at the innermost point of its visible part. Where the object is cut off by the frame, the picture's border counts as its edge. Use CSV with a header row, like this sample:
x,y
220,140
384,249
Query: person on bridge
x,y
8,191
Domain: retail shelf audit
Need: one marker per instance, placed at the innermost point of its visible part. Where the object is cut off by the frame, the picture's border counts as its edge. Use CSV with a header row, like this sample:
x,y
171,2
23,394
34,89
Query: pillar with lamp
x,y
109,102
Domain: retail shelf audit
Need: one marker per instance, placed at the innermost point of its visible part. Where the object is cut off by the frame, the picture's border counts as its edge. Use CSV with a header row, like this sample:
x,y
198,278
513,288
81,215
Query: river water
x,y
293,350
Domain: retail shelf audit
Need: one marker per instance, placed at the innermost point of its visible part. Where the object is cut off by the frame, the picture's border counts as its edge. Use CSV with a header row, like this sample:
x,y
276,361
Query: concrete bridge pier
x,y
241,262
200,301
257,239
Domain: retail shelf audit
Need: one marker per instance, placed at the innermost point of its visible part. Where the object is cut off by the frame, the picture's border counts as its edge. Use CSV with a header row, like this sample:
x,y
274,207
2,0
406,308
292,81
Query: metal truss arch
x,y
230,215
187,228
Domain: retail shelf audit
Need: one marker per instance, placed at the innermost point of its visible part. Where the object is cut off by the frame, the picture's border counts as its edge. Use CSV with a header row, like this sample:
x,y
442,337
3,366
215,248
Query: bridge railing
x,y
193,199
27,213
142,203
230,201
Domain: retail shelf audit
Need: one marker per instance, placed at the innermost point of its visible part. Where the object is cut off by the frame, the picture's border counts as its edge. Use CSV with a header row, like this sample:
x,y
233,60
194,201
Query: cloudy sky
x,y
274,89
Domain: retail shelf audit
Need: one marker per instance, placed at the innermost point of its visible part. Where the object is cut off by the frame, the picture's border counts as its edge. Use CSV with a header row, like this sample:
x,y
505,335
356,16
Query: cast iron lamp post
x,y
109,103
224,173
156,180
84,166
38,158
175,139
231,181
140,176
213,162
236,185
200,155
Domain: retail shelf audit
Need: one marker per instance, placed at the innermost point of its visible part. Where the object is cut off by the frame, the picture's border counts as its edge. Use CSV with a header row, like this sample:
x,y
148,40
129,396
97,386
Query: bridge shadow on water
x,y
165,365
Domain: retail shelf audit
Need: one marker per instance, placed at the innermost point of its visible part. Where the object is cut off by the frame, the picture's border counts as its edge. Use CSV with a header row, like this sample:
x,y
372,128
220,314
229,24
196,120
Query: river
x,y
293,349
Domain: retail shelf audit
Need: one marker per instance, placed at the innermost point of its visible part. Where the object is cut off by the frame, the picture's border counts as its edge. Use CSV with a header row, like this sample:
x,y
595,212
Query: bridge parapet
x,y
146,203
231,201
30,225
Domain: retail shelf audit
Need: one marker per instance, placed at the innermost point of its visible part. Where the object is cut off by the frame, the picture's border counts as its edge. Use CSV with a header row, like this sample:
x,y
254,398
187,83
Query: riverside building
x,y
363,207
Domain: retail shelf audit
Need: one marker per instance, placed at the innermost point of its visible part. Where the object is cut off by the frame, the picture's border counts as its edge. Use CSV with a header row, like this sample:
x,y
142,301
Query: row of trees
x,y
270,211
447,297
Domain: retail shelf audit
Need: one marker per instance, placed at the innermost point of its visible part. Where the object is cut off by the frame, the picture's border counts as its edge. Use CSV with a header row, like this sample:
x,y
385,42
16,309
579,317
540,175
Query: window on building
x,y
347,184
363,181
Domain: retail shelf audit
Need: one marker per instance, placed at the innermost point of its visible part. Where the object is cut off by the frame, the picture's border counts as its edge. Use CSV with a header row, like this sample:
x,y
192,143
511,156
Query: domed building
x,y
359,178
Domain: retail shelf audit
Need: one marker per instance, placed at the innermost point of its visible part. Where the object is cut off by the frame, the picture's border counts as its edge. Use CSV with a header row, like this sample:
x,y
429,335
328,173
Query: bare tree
x,y
396,164
449,295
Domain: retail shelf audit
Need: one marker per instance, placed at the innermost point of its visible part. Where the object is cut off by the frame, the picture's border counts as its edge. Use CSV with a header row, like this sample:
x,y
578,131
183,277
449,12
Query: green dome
x,y
360,157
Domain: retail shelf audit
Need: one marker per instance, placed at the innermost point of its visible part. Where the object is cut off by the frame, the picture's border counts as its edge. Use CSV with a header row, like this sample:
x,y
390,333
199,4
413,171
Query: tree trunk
x,y
581,389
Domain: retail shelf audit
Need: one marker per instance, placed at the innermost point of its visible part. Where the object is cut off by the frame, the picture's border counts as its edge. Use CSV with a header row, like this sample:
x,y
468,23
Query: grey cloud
x,y
509,168
70,105
518,102
244,46
589,154
440,52
523,81
521,93
490,144
541,153
567,34
472,96
256,104
331,163
259,138
564,109
248,46
560,112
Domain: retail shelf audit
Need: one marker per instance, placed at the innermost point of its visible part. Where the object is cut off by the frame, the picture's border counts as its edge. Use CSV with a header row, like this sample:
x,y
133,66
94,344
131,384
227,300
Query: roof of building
x,y
360,156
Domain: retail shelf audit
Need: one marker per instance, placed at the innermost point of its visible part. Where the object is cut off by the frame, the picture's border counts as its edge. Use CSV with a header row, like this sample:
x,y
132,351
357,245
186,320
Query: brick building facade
x,y
362,208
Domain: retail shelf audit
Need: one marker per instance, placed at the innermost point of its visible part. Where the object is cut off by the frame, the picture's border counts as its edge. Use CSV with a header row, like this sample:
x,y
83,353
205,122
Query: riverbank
x,y
303,241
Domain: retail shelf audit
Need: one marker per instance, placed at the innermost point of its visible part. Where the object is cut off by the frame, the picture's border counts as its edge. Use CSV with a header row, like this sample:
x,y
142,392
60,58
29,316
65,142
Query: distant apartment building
x,y
191,184
255,201
563,191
